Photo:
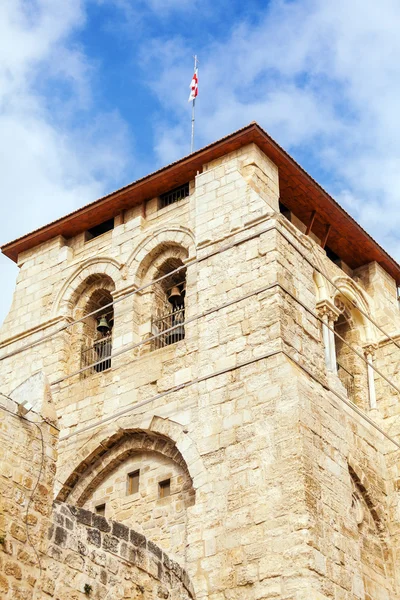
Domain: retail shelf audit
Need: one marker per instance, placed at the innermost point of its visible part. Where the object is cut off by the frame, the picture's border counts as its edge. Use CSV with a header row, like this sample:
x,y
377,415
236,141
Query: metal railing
x,y
173,320
174,195
100,351
347,380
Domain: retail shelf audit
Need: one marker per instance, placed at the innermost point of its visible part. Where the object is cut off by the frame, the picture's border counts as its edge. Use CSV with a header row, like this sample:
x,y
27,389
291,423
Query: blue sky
x,y
93,94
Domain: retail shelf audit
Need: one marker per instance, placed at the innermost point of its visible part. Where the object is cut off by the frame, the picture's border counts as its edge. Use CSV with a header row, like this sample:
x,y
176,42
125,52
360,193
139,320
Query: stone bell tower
x,y
221,343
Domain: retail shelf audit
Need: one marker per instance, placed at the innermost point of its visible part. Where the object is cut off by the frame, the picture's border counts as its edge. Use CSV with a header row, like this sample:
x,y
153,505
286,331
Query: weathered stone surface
x,y
60,536
120,531
111,565
277,489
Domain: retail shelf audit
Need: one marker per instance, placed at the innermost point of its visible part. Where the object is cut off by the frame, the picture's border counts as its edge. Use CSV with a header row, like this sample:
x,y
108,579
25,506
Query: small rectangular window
x,y
133,483
174,195
99,229
164,488
100,510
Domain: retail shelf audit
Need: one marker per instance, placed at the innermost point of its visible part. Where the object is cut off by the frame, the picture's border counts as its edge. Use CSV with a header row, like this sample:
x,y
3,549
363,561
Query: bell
x,y
175,295
103,326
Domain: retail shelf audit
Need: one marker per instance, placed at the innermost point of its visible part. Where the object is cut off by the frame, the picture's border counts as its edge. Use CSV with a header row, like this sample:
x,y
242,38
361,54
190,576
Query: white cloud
x,y
321,77
57,151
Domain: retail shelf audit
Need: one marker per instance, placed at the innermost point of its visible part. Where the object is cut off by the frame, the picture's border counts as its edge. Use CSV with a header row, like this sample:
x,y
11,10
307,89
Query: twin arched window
x,y
162,307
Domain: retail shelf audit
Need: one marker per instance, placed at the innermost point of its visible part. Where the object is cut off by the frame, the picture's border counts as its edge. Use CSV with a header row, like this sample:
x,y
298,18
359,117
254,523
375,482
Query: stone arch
x,y
152,459
176,238
375,556
89,287
74,285
161,315
360,481
156,428
132,441
321,290
353,331
349,290
84,344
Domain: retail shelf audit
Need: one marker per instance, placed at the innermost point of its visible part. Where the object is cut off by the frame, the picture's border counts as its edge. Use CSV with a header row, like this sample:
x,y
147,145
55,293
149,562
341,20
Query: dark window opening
x,y
174,195
99,229
133,482
169,326
285,211
100,510
345,360
97,348
102,348
333,256
164,488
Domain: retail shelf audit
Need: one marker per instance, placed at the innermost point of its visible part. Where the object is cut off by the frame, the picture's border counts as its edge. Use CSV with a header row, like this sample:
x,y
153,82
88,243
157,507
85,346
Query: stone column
x,y
322,313
332,319
369,353
329,314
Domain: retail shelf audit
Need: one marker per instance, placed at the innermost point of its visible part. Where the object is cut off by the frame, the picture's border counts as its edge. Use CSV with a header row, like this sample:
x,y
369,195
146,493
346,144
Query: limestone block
x,y
34,395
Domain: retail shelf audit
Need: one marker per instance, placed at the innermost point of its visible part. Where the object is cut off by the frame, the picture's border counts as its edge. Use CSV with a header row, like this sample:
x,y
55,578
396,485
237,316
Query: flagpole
x,y
193,111
192,139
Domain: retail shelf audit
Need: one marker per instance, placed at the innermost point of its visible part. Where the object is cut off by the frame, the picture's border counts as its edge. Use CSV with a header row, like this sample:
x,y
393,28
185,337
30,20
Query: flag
x,y
194,86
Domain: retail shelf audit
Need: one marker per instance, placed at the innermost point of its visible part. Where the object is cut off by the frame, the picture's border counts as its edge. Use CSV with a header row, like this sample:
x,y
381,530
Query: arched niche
x,y
91,344
162,305
353,331
157,502
368,524
358,305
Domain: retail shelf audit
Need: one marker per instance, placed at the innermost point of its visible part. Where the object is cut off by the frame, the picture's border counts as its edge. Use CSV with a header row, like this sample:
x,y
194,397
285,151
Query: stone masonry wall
x,y
27,471
161,519
295,496
352,554
53,552
92,557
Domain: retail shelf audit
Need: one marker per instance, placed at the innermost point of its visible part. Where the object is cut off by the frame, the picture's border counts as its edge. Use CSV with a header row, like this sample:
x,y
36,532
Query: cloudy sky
x,y
93,95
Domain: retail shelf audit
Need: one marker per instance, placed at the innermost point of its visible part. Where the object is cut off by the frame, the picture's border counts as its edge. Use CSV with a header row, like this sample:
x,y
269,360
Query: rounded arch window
x,y
98,332
168,312
95,330
350,367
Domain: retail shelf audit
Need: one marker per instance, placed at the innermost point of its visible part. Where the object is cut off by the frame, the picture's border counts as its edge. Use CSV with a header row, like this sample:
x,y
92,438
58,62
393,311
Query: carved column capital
x,y
326,309
370,350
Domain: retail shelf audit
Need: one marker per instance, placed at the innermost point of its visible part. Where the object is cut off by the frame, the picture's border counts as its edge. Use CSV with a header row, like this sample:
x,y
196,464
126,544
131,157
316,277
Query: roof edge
x,y
135,193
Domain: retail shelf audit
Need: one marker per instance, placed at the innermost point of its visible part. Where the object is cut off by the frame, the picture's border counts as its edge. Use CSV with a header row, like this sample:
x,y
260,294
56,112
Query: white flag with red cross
x,y
194,86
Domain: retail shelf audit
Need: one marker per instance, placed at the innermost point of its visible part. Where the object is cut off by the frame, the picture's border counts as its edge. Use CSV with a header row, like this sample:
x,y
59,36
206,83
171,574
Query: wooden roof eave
x,y
299,192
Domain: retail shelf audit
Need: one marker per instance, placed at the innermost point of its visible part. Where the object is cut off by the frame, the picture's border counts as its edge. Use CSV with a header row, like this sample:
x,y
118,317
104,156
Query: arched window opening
x,y
168,314
351,368
344,355
97,333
